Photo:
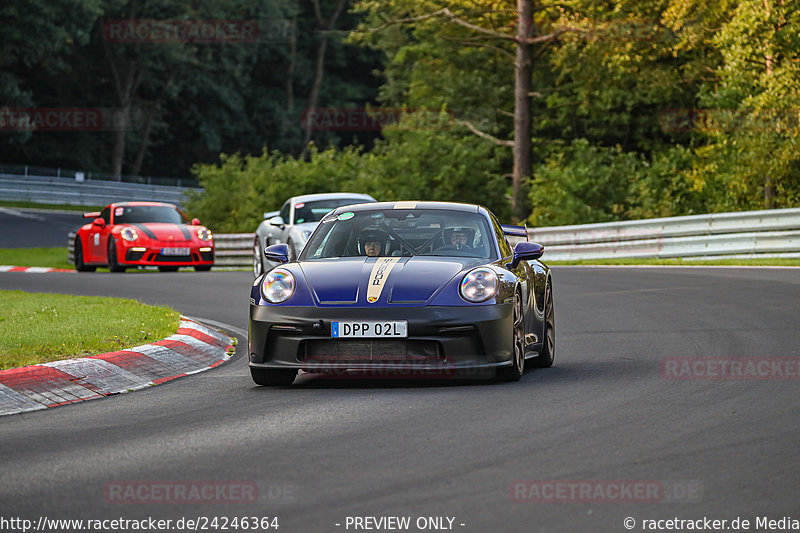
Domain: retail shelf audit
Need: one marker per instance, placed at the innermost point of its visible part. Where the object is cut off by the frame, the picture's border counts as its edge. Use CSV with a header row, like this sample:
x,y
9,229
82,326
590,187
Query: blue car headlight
x,y
278,286
129,234
479,285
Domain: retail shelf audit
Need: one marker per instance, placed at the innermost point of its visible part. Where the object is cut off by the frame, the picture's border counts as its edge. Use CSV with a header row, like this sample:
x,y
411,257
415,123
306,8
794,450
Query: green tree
x,y
409,164
454,41
179,103
38,34
751,120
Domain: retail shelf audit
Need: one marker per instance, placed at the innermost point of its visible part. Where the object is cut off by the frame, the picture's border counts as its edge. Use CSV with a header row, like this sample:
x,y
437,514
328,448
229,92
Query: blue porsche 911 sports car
x,y
404,286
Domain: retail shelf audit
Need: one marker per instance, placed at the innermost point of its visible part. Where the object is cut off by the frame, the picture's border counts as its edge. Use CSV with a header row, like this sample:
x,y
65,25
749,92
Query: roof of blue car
x,y
451,206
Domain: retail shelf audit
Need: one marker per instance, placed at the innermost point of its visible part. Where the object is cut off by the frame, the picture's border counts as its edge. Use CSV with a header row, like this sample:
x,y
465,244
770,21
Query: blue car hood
x,y
416,279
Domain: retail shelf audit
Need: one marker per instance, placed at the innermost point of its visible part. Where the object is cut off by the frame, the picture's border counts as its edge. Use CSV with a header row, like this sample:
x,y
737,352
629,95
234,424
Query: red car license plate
x,y
175,251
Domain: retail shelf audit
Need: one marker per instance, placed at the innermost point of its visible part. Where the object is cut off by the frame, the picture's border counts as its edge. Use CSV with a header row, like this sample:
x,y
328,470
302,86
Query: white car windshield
x,y
314,211
396,232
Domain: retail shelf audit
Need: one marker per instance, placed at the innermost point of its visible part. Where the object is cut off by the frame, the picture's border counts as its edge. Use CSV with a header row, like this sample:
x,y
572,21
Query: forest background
x,y
559,112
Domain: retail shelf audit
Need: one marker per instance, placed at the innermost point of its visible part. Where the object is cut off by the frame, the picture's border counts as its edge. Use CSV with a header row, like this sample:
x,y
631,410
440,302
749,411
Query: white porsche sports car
x,y
296,220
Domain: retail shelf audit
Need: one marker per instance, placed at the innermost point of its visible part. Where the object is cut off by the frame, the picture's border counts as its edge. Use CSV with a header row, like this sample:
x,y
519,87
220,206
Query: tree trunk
x,y
125,85
118,152
522,110
290,67
148,126
313,98
136,168
769,194
769,185
319,64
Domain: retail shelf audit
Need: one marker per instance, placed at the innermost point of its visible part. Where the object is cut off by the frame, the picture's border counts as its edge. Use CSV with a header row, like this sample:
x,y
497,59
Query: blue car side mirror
x,y
525,251
277,252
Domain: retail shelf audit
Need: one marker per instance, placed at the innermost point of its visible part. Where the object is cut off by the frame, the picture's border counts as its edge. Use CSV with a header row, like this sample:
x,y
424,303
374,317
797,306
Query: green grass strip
x,y
38,327
55,207
55,257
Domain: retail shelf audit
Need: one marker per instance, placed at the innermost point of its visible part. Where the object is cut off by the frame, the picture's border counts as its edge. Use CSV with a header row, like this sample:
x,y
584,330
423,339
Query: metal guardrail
x,y
744,234
52,190
233,249
772,233
46,172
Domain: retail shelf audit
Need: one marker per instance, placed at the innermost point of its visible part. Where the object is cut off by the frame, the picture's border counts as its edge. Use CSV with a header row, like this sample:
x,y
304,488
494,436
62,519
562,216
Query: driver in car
x,y
371,241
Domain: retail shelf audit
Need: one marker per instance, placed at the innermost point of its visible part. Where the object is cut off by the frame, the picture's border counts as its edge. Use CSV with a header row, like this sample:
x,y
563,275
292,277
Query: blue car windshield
x,y
401,232
148,213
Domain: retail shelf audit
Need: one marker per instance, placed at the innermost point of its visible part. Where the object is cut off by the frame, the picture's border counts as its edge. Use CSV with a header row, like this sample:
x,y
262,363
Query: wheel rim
x,y
519,334
550,321
256,260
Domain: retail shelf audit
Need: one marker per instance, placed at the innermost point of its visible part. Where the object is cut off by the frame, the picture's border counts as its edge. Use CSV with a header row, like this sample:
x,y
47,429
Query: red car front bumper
x,y
157,254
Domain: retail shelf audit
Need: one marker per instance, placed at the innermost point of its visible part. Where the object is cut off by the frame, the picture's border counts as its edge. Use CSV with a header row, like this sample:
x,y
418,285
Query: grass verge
x,y
766,261
38,327
40,257
56,207
57,258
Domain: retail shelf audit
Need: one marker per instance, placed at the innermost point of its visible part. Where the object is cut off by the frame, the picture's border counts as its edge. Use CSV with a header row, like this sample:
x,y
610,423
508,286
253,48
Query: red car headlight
x,y
204,234
129,234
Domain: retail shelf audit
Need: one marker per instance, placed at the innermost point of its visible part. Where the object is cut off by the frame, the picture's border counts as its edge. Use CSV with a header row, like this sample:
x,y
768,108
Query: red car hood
x,y
161,231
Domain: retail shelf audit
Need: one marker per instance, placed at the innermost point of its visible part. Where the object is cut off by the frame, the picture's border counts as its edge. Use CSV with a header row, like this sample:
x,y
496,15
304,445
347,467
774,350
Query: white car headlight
x,y
204,234
479,285
278,286
129,234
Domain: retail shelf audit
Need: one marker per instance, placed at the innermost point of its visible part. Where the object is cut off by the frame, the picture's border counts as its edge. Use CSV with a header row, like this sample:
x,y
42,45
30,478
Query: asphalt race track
x,y
325,450
37,228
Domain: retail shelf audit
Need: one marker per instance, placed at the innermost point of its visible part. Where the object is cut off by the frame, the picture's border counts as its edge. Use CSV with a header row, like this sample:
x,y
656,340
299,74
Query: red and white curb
x,y
35,270
194,348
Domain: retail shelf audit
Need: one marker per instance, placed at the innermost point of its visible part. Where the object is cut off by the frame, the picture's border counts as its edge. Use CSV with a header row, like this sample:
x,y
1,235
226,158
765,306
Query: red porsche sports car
x,y
129,234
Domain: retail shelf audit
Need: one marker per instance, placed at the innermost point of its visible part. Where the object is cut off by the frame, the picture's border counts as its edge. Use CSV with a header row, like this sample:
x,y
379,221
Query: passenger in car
x,y
460,239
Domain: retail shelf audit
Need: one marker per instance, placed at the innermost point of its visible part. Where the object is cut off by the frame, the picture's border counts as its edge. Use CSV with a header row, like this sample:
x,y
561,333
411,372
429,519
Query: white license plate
x,y
175,251
369,328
